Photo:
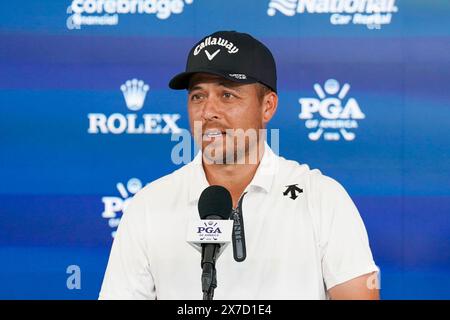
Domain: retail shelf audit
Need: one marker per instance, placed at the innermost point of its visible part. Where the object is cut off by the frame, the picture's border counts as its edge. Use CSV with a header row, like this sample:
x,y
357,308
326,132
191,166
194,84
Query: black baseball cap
x,y
233,55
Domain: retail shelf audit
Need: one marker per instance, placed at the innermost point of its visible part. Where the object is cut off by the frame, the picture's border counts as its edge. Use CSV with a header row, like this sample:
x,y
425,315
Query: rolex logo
x,y
134,92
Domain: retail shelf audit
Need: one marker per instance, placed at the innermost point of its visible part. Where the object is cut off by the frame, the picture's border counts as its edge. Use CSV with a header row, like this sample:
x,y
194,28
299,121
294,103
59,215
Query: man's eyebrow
x,y
195,87
226,84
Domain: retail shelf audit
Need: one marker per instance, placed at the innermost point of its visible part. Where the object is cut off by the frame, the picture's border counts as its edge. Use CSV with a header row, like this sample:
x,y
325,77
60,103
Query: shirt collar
x,y
262,180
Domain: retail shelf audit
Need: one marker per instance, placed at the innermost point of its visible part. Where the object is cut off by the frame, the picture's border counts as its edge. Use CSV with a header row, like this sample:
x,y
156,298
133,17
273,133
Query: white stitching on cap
x,y
218,42
240,76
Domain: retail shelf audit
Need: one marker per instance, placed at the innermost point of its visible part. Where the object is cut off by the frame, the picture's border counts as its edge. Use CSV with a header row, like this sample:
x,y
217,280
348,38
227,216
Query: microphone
x,y
215,203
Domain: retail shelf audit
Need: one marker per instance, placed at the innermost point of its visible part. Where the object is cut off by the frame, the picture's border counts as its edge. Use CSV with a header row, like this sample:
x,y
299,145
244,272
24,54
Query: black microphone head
x,y
215,201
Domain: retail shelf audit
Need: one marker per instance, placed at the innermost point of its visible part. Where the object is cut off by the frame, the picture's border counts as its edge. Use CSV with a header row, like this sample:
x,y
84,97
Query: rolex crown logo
x,y
134,92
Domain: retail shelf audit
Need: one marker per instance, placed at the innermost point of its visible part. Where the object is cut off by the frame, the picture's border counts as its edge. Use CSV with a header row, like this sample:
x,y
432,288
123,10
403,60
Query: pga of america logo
x,y
331,115
209,231
134,92
106,12
113,206
371,13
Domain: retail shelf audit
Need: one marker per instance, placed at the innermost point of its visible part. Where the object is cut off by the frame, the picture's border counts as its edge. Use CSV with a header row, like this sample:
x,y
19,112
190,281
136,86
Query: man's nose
x,y
210,110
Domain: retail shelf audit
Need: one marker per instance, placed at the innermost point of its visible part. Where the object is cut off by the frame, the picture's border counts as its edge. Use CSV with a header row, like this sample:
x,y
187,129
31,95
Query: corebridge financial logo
x,y
134,92
331,115
371,13
107,12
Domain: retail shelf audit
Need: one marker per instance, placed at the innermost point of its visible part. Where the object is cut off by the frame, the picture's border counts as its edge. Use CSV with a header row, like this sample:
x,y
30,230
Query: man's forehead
x,y
205,78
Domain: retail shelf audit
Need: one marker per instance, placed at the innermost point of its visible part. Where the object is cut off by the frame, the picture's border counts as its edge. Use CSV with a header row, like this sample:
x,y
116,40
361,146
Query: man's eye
x,y
195,97
228,95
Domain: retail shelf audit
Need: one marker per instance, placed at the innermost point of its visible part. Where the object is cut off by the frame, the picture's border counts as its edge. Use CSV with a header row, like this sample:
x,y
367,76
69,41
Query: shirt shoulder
x,y
291,171
314,179
324,195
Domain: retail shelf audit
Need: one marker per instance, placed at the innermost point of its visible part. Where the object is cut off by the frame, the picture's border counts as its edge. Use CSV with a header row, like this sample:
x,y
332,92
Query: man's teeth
x,y
212,134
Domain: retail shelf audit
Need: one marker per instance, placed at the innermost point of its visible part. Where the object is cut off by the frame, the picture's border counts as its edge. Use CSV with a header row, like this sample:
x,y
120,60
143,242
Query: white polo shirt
x,y
297,247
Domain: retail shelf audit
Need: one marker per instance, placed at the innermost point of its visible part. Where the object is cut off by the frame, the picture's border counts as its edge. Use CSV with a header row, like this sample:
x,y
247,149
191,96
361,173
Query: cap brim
x,y
181,80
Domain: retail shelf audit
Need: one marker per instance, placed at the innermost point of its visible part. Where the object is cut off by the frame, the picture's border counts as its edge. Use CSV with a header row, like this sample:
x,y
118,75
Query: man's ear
x,y
270,103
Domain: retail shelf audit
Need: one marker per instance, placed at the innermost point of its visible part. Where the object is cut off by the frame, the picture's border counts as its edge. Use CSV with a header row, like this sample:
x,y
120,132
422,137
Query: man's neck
x,y
234,177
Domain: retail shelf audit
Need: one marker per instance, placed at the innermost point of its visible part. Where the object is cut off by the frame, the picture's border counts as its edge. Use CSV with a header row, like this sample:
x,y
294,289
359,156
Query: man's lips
x,y
213,133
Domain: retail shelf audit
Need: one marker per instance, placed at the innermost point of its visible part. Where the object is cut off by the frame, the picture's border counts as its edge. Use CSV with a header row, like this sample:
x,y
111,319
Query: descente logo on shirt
x,y
217,42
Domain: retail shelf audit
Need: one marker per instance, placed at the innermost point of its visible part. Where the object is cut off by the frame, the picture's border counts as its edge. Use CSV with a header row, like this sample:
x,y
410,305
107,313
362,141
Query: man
x,y
301,236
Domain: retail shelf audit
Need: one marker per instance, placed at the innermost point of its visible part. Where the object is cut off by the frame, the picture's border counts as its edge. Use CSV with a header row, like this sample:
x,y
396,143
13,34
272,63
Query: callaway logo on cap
x,y
233,55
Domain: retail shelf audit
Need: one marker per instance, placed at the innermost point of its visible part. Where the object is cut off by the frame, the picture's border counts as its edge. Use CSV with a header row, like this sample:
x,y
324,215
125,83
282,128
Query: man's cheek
x,y
196,130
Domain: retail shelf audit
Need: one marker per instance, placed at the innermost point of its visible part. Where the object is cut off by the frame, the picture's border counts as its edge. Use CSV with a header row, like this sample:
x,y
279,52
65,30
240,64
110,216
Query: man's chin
x,y
214,153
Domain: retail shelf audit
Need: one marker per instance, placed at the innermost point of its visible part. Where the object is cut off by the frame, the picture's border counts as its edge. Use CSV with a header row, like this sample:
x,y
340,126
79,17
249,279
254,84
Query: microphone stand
x,y
209,279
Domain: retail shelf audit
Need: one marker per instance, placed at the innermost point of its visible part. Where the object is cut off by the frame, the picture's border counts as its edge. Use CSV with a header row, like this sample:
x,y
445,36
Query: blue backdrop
x,y
364,97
